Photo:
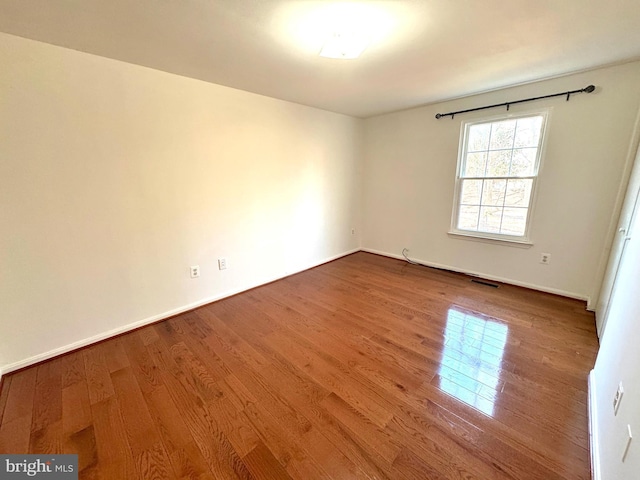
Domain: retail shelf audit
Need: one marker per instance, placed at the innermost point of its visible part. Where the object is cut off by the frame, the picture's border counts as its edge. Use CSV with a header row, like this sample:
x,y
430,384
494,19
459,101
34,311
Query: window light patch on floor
x,y
472,359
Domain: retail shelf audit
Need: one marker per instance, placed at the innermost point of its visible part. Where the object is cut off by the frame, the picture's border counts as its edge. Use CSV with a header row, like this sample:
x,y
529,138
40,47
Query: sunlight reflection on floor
x,y
471,359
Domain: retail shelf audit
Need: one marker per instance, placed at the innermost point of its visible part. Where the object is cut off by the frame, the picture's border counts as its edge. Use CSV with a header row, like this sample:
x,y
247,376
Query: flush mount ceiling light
x,y
345,45
342,29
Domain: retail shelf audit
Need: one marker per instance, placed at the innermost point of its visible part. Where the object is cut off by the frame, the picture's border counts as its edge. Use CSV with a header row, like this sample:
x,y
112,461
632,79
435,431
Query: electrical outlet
x,y
545,258
222,264
353,231
195,271
618,398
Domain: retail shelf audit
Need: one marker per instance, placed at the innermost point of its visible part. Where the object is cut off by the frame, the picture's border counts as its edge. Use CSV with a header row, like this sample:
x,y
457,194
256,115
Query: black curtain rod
x,y
587,89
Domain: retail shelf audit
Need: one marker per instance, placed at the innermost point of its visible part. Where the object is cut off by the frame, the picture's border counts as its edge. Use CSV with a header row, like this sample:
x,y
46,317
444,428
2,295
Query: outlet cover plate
x,y
618,398
194,271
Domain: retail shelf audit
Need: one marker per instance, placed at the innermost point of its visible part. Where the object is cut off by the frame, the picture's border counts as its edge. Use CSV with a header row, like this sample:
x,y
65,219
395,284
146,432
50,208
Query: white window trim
x,y
522,241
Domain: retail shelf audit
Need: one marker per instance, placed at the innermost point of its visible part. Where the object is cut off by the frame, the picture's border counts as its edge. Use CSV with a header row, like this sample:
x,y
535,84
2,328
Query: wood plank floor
x,y
366,367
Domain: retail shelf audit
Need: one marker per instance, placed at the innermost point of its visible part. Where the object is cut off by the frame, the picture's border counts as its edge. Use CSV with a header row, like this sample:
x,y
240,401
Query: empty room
x,y
278,239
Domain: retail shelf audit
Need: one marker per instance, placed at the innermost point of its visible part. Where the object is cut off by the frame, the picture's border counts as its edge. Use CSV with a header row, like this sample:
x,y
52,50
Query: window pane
x,y
468,218
475,164
497,173
514,221
471,190
493,192
490,218
502,134
518,192
523,163
528,132
479,137
498,164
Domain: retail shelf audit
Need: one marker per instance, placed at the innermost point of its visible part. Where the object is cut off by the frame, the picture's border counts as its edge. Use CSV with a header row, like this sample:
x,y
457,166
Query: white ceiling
x,y
423,51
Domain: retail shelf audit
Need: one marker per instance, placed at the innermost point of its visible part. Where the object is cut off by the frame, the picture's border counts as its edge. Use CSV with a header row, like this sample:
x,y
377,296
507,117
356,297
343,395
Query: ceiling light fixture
x,y
343,29
344,45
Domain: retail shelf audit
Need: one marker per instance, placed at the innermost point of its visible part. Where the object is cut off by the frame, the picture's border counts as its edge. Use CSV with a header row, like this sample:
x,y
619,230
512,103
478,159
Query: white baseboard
x,y
4,369
593,428
495,278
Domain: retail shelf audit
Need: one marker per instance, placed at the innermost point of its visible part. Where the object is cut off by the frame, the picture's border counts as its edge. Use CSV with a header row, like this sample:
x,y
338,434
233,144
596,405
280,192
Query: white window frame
x,y
525,239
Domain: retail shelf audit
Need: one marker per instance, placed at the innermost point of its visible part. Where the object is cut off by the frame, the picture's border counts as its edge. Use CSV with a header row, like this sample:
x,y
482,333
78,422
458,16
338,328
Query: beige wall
x,y
409,172
115,178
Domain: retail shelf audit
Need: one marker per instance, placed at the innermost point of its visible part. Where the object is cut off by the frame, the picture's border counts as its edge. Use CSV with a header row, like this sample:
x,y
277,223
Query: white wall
x,y
410,164
619,360
115,178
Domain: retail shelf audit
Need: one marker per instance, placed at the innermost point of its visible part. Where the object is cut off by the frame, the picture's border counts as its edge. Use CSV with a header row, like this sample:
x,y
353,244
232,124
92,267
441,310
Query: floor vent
x,y
483,282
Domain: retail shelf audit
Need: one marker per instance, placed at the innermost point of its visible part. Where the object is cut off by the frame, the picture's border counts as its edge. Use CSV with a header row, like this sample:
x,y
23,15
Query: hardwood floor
x,y
366,367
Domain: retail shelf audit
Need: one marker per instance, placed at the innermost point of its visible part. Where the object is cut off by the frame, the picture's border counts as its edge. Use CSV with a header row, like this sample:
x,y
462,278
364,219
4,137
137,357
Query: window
x,y
497,171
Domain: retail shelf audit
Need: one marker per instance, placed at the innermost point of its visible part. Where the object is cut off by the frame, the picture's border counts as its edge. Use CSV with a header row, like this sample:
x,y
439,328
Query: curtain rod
x,y
587,89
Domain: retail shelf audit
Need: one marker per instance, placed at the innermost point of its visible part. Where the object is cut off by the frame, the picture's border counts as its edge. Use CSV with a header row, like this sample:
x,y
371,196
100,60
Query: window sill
x,y
486,239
